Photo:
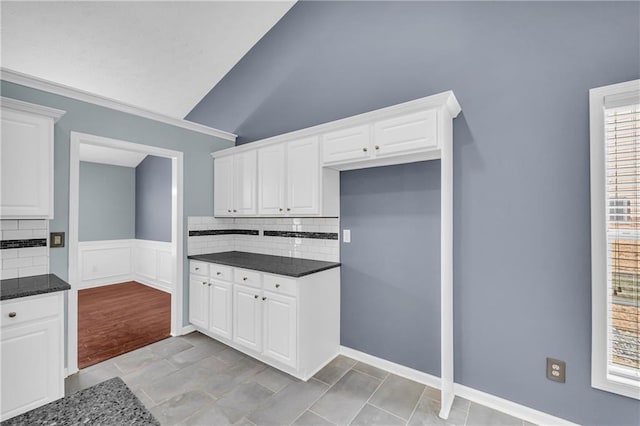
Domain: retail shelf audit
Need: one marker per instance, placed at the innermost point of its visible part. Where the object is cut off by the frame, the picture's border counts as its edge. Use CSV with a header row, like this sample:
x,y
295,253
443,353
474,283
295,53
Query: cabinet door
x,y
31,366
220,304
223,186
199,301
271,180
26,165
303,177
247,317
406,134
280,328
245,188
346,145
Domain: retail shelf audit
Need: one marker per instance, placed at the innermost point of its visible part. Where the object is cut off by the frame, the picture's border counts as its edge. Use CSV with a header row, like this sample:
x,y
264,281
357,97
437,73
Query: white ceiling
x,y
160,56
112,156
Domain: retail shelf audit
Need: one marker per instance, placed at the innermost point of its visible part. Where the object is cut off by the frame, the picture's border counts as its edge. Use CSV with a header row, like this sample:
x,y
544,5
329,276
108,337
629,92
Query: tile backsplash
x,y
24,248
310,238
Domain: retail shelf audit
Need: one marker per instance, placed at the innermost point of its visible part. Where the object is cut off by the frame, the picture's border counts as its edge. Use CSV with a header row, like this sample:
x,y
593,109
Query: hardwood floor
x,y
119,318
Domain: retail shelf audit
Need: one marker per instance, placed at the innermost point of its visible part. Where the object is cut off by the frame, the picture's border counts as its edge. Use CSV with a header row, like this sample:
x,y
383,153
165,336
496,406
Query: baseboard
x,y
474,395
514,409
150,283
185,330
116,279
392,367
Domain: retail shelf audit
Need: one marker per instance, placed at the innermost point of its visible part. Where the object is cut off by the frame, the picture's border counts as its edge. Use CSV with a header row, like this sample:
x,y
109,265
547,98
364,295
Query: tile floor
x,y
195,380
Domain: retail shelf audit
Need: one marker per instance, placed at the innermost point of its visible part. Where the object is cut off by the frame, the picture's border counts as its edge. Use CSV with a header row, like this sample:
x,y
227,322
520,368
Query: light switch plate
x,y
346,235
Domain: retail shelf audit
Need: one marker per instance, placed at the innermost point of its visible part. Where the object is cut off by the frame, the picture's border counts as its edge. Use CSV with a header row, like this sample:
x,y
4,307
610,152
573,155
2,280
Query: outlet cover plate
x,y
556,370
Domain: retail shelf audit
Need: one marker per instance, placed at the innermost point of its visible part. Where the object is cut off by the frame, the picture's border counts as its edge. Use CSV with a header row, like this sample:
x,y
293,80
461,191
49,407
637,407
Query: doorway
x,y
128,260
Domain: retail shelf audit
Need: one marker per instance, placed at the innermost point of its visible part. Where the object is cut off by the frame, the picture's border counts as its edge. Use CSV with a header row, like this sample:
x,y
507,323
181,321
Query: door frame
x,y
177,242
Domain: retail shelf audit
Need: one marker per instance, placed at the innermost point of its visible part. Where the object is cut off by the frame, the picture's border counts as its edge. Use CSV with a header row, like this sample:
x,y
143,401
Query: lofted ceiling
x,y
159,56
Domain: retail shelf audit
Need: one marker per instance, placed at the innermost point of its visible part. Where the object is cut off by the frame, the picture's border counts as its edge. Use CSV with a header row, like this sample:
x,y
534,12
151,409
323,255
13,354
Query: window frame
x,y
600,377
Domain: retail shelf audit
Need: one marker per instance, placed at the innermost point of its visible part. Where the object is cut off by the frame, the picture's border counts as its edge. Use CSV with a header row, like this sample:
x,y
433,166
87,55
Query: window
x,y
615,237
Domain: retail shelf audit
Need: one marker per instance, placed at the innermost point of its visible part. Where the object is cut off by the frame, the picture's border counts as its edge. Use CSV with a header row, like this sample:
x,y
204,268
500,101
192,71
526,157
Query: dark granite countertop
x,y
281,265
30,286
107,403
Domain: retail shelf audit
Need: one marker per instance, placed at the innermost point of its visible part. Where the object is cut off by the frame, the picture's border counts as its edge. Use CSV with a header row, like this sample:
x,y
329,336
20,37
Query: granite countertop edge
x,y
31,286
286,268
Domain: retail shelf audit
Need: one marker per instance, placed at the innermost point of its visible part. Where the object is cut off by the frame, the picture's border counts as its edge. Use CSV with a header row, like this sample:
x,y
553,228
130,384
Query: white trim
x,y
446,100
513,409
185,330
599,319
392,367
31,108
177,240
70,92
479,397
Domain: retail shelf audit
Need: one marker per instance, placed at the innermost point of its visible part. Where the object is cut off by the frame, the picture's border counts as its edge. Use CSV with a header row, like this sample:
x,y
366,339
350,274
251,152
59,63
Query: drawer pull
x,y
209,284
288,209
218,273
244,278
264,298
12,314
377,147
364,149
279,209
277,285
197,269
204,283
255,296
228,211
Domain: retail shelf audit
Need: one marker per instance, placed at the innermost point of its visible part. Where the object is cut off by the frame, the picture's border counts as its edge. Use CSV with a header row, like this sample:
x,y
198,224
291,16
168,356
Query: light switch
x,y
346,235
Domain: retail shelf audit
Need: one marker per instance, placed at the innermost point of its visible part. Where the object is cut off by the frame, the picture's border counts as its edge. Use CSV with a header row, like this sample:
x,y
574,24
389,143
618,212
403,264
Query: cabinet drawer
x,y
246,277
280,285
199,268
220,272
29,310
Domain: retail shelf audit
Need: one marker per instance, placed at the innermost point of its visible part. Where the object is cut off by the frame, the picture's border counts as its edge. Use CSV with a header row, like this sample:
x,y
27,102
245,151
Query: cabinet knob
x,y
234,210
204,283
377,147
277,285
255,296
218,273
288,209
12,314
279,209
197,269
364,149
264,298
209,284
228,211
244,278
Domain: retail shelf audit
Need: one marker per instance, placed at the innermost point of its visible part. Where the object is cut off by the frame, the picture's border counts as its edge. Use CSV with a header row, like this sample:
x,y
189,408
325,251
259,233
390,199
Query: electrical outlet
x,y
556,370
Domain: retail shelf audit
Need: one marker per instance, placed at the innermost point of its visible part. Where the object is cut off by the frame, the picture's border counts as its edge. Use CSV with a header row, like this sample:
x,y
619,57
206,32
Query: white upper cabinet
x,y
406,133
271,180
223,186
303,177
26,160
234,183
345,145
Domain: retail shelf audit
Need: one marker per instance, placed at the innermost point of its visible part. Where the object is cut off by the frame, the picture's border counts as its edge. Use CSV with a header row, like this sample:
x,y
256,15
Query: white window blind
x,y
622,170
614,115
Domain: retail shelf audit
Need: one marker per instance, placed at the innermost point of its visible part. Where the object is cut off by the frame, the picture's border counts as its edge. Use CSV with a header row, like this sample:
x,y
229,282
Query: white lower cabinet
x,y
280,328
31,349
247,317
292,324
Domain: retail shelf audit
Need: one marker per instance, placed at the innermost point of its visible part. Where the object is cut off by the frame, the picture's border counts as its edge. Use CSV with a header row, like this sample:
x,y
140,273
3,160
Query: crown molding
x,y
31,108
445,102
70,92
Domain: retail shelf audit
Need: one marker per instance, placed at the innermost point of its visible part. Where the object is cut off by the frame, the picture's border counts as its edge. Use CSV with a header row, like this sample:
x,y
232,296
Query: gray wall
x,y
390,294
88,118
107,202
522,72
153,199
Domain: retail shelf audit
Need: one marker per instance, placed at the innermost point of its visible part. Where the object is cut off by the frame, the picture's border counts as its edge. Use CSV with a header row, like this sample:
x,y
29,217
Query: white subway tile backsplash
x,y
23,234
24,260
9,253
33,251
32,224
18,262
33,270
8,224
7,274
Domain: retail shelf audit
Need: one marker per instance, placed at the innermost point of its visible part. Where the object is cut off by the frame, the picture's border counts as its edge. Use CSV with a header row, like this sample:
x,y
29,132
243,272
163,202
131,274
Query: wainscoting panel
x,y
114,261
